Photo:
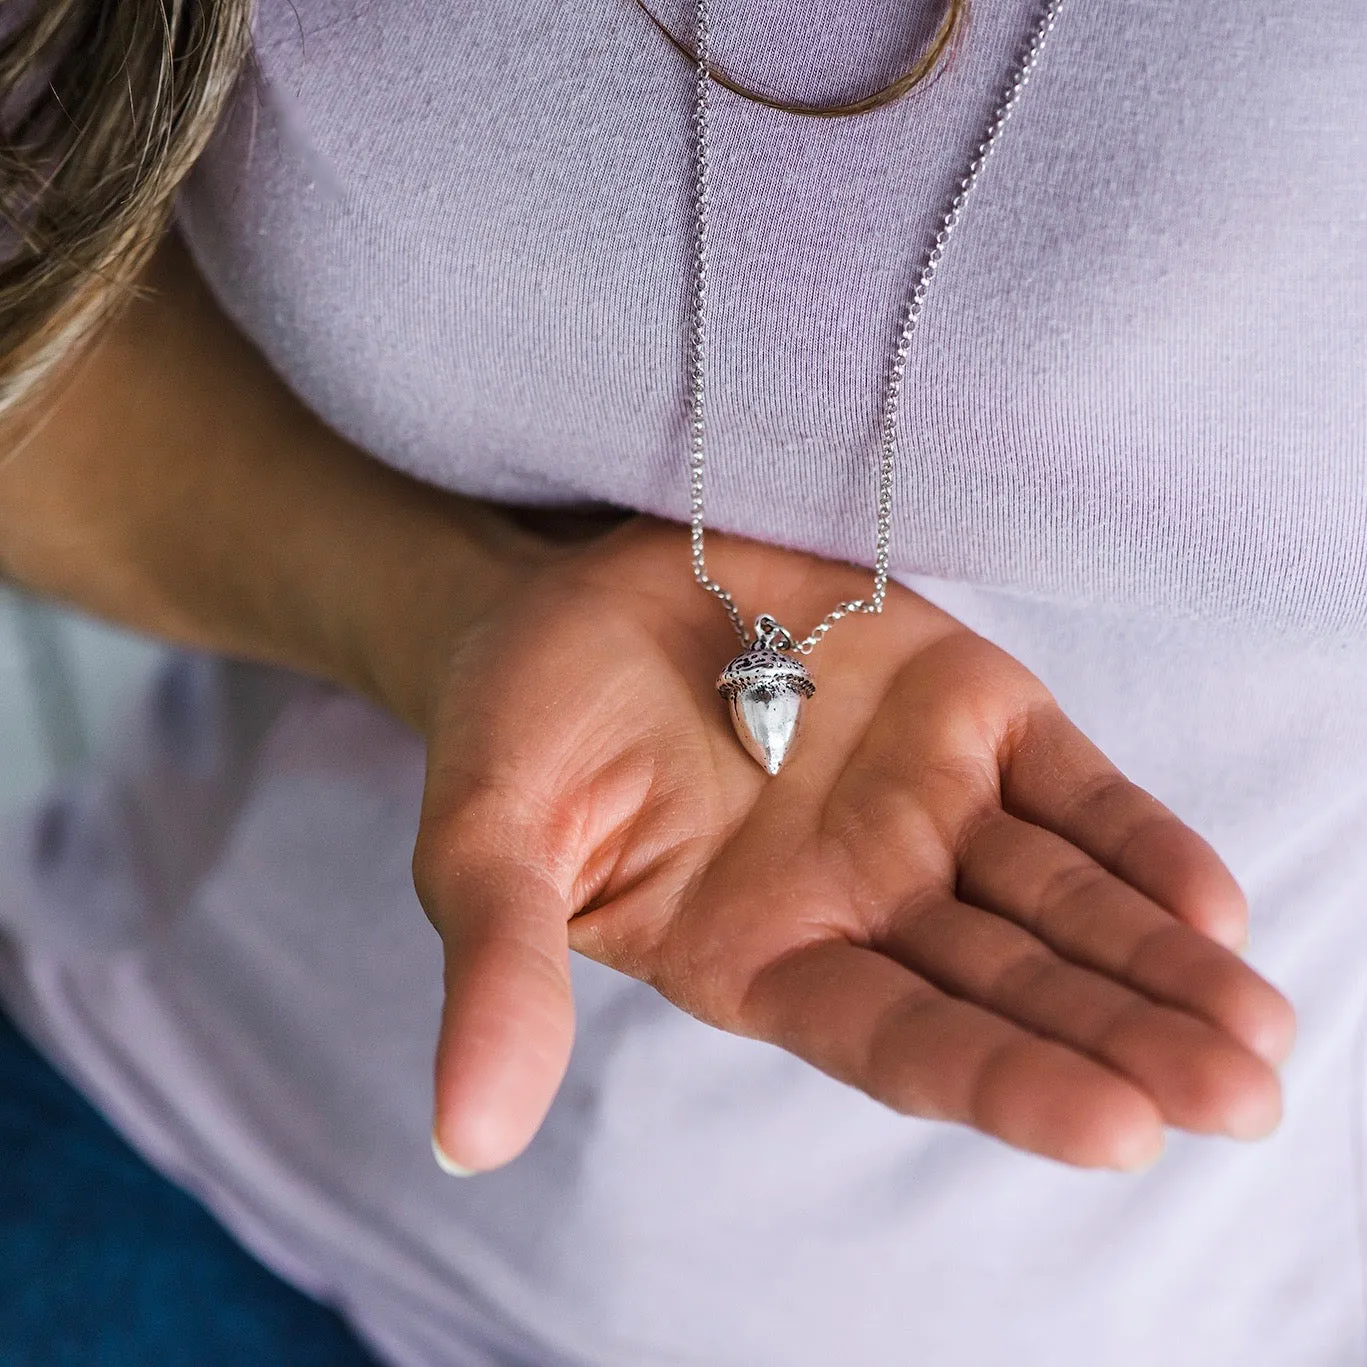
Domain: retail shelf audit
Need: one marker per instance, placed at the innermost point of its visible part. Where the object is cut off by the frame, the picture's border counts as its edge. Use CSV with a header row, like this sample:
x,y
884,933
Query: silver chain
x,y
911,314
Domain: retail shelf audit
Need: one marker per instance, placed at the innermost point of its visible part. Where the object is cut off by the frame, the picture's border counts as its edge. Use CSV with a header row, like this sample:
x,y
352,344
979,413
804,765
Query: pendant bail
x,y
770,634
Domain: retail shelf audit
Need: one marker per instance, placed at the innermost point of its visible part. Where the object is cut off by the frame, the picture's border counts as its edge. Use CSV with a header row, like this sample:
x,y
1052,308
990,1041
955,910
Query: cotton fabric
x,y
1134,454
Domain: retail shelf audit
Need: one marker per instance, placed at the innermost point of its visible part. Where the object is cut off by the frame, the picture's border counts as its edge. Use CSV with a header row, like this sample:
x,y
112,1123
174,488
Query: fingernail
x,y
1146,1159
1236,943
1254,1122
450,1168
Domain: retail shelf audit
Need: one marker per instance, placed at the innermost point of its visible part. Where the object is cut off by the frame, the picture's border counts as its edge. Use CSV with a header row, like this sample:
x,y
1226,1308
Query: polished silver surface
x,y
911,313
765,689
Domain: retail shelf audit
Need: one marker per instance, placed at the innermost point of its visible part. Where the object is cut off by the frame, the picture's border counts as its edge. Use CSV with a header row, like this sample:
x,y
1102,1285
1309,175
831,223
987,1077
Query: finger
x,y
1087,915
508,1019
1198,1077
874,1024
1054,777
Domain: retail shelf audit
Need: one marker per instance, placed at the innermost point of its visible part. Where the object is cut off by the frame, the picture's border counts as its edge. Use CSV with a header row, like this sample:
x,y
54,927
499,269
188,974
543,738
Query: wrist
x,y
435,563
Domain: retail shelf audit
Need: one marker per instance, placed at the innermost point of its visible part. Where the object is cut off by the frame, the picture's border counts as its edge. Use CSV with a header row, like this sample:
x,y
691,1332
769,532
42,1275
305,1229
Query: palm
x,y
946,898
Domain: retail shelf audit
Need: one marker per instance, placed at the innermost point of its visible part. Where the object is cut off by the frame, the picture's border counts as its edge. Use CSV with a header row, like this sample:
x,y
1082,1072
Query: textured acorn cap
x,y
764,668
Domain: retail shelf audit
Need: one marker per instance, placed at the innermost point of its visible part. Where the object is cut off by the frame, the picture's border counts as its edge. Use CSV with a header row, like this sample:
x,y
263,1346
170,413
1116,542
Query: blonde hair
x,y
108,103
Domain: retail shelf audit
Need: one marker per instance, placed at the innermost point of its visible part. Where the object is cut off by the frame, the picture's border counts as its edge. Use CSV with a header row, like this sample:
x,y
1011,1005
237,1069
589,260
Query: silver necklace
x,y
767,684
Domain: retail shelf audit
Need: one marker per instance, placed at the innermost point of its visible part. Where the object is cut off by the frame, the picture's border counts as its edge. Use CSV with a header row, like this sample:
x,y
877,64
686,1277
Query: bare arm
x,y
173,484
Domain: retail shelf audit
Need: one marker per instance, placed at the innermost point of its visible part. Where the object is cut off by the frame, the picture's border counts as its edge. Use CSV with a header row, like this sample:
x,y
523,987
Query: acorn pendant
x,y
765,688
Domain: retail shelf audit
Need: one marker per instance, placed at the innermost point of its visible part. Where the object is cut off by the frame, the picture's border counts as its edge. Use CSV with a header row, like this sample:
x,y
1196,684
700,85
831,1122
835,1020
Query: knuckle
x,y
440,851
1066,887
1116,1037
1097,797
898,1078
492,821
1136,831
1157,941
992,1093
1024,977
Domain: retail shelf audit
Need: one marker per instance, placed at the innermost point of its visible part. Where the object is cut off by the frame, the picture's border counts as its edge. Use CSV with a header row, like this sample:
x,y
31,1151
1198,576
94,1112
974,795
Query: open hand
x,y
947,897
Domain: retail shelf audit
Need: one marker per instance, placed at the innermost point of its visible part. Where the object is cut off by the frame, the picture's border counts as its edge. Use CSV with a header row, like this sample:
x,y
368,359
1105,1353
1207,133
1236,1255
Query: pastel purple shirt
x,y
1134,454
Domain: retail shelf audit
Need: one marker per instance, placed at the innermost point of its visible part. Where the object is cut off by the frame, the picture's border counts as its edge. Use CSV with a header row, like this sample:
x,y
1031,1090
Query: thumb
x,y
508,1019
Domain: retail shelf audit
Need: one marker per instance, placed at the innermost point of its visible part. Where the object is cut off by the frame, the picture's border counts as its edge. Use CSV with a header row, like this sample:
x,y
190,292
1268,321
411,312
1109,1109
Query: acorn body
x,y
765,689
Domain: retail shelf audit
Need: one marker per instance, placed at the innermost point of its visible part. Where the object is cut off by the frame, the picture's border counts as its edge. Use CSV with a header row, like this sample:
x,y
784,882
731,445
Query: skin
x,y
947,898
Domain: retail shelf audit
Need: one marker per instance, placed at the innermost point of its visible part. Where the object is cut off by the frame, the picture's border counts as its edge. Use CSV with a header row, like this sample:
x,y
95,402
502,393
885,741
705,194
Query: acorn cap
x,y
762,668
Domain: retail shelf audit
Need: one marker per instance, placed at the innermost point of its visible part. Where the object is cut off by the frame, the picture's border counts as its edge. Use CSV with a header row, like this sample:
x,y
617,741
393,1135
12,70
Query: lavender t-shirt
x,y
1134,454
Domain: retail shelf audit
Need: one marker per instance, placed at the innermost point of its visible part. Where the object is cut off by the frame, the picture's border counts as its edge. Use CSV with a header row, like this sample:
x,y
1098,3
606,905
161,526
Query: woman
x,y
449,264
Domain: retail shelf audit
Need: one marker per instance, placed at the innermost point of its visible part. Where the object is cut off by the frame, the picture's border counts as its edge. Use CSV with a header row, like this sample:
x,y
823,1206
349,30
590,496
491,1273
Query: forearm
x,y
173,484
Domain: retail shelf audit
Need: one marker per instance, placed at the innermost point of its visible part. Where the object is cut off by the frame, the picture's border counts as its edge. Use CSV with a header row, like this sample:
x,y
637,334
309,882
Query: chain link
x,y
910,316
